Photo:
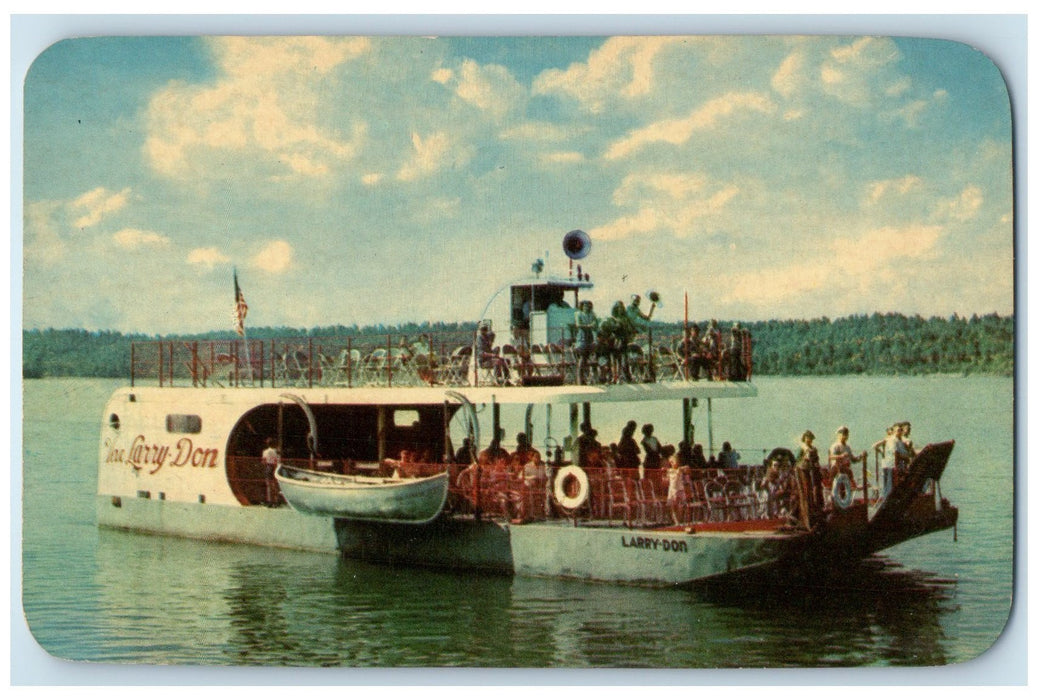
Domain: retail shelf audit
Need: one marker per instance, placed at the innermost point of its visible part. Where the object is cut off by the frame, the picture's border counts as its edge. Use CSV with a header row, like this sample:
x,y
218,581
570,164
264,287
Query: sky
x,y
364,180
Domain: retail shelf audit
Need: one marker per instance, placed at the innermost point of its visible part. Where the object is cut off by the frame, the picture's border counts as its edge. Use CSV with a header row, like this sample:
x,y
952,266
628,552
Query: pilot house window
x,y
183,423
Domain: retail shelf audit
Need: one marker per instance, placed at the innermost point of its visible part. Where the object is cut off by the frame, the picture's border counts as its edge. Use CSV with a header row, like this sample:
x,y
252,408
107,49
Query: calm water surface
x,y
99,595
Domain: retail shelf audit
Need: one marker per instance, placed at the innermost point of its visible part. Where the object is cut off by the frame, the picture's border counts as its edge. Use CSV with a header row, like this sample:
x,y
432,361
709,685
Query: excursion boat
x,y
389,450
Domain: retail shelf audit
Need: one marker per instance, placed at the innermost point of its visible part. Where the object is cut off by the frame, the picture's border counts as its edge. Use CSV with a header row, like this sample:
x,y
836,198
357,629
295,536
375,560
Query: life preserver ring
x,y
842,492
583,488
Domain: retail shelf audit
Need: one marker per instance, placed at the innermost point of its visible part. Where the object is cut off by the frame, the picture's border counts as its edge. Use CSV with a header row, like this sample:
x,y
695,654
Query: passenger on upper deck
x,y
734,365
651,444
627,452
615,335
693,354
638,319
403,349
421,346
487,357
586,324
712,347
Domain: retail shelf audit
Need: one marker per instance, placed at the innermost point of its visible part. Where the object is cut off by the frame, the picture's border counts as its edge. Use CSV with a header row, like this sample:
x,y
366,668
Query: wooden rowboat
x,y
356,497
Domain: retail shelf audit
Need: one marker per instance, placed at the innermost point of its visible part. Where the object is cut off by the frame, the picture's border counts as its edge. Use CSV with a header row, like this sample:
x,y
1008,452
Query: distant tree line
x,y
864,344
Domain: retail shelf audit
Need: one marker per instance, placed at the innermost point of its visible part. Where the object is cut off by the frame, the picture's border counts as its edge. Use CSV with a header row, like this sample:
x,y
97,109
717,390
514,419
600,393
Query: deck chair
x,y
741,505
618,502
456,368
694,506
712,493
668,365
373,367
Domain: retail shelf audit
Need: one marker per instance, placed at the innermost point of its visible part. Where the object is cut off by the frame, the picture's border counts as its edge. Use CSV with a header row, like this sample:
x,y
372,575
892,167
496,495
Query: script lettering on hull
x,y
143,455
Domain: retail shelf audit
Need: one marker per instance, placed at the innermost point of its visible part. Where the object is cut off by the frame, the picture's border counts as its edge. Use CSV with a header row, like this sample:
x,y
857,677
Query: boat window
x,y
113,420
183,423
405,418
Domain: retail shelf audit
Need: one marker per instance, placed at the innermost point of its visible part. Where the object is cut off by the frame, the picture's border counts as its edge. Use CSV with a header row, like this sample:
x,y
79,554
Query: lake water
x,y
119,598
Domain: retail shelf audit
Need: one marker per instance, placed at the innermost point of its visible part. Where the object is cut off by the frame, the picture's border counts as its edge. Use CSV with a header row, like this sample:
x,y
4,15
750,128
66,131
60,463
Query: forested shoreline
x,y
877,344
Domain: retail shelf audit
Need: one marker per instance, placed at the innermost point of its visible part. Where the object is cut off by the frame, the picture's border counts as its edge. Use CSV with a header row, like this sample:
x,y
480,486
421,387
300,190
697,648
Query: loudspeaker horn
x,y
576,244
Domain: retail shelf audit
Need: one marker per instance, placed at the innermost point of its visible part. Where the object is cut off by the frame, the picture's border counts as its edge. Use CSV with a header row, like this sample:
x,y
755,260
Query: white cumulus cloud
x,y
94,205
668,203
622,66
208,257
132,238
275,256
490,88
964,207
678,131
429,154
260,110
880,189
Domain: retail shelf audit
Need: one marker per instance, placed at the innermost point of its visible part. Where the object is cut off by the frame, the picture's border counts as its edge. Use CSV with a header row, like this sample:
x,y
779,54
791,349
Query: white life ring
x,y
583,488
842,492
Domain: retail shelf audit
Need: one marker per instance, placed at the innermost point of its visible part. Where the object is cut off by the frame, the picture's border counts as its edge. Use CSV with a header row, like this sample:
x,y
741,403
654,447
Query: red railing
x,y
707,499
704,497
415,360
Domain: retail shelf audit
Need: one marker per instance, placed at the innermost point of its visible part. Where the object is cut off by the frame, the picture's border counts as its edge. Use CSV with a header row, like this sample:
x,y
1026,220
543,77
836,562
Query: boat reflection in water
x,y
285,608
870,612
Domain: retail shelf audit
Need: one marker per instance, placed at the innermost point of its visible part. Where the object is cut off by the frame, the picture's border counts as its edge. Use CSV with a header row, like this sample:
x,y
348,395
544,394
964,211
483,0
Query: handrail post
x,y
310,362
389,360
194,363
273,366
686,342
865,477
162,370
652,361
349,362
133,362
171,363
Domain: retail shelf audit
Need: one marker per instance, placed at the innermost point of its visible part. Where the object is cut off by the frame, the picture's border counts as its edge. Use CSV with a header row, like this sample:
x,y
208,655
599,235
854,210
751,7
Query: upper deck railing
x,y
431,359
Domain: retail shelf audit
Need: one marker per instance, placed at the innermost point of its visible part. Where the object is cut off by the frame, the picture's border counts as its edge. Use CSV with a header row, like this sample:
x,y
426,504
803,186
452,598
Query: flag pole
x,y
241,309
684,367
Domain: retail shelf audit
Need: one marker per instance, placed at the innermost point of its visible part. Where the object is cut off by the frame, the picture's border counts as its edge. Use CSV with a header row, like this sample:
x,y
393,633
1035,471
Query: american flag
x,y
240,307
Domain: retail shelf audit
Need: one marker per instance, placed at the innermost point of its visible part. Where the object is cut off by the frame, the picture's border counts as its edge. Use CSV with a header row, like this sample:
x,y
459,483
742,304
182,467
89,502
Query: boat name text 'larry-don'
x,y
654,543
154,456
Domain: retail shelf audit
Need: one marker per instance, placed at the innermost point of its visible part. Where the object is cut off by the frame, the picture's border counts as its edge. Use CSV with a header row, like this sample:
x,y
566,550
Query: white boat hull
x,y
411,501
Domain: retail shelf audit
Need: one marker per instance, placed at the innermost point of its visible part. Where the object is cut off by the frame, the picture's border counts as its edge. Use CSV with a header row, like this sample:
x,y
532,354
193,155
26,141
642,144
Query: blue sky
x,y
387,179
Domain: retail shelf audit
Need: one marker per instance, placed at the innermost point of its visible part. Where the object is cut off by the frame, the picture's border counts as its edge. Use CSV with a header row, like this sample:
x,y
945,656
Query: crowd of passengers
x,y
603,350
648,457
797,484
602,347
